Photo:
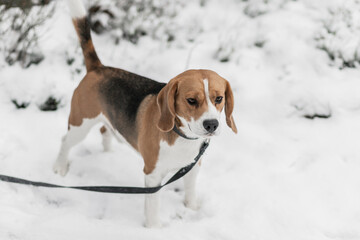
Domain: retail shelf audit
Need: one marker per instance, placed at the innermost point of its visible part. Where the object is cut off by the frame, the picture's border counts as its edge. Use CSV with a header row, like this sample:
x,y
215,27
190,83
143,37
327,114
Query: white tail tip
x,y
77,8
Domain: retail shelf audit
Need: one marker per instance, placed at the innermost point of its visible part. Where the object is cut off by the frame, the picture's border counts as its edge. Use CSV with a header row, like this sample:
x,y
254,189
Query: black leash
x,y
112,189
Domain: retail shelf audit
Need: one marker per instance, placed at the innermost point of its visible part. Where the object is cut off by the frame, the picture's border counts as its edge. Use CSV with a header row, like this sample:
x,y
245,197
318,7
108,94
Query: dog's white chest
x,y
178,155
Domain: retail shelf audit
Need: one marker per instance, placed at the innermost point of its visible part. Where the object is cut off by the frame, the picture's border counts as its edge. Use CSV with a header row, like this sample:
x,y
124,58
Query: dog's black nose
x,y
211,125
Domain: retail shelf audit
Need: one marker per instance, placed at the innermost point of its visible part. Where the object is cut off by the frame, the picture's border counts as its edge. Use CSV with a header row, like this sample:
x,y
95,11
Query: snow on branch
x,y
19,23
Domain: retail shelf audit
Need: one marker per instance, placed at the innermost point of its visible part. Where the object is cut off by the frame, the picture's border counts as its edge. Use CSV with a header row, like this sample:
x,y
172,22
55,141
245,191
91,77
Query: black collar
x,y
175,129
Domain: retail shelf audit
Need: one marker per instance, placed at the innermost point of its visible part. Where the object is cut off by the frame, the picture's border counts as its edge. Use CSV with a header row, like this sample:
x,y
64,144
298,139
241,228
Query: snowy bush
x,y
19,23
74,59
51,104
340,35
227,47
312,108
234,40
20,105
132,19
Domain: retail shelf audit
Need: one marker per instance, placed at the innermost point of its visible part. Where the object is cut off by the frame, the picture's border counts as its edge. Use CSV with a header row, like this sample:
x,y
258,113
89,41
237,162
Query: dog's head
x,y
196,98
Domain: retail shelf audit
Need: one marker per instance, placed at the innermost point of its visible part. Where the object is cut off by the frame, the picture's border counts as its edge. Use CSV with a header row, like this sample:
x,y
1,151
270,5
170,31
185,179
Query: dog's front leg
x,y
152,201
190,188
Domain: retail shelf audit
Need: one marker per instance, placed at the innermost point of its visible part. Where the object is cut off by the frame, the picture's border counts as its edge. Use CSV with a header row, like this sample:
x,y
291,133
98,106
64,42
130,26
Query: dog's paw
x,y
193,204
61,168
107,148
153,224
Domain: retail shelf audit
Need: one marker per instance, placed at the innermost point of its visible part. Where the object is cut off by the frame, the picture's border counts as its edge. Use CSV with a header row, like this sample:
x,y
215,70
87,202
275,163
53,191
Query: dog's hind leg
x,y
106,138
74,135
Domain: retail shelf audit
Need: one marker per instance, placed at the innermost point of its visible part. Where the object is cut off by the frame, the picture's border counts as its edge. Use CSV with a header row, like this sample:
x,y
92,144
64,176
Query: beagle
x,y
143,113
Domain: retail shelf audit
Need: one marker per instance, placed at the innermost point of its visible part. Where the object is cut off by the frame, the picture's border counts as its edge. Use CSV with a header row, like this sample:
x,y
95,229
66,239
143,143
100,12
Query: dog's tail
x,y
82,27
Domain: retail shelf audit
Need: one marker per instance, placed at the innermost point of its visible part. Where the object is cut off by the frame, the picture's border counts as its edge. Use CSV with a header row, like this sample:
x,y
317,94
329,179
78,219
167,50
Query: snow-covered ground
x,y
283,176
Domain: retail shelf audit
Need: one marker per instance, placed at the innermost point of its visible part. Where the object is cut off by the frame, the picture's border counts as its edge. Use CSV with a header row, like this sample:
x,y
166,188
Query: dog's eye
x,y
191,101
218,99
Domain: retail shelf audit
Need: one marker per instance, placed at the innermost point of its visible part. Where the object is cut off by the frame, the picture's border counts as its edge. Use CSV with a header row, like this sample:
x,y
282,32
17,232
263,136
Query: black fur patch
x,y
123,93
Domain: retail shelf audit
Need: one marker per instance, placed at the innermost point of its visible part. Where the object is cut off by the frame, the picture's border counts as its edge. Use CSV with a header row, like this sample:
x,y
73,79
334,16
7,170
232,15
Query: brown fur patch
x,y
85,101
229,107
149,135
103,130
166,106
148,138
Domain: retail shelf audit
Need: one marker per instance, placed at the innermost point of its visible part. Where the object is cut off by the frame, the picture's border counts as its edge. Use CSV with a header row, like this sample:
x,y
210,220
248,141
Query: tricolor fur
x,y
143,112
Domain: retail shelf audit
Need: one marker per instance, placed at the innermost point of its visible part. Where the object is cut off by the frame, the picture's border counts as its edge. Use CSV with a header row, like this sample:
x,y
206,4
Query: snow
x,y
283,176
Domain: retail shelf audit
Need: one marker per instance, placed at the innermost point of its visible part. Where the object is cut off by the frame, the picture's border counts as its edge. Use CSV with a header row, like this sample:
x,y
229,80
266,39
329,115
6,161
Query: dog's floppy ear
x,y
229,107
166,105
